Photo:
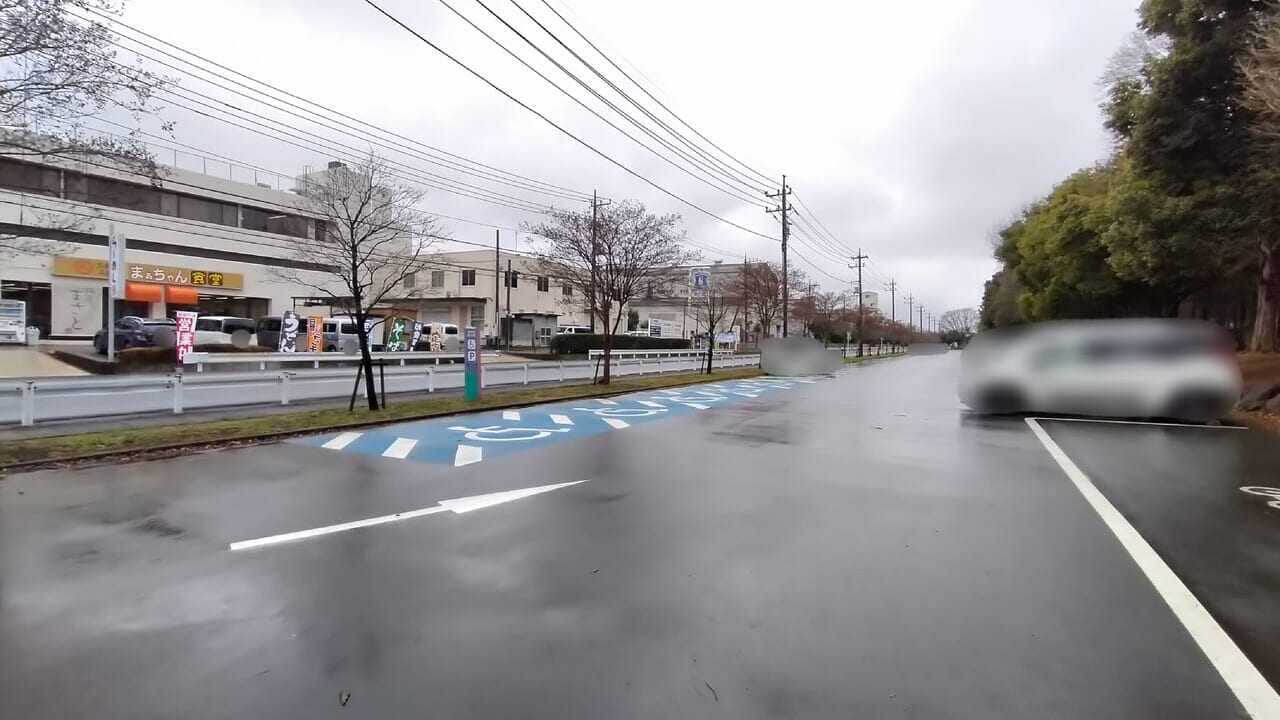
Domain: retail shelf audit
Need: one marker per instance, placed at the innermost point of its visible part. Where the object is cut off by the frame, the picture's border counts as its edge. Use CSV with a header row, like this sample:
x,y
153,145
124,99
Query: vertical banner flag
x,y
115,264
315,333
471,374
398,335
417,335
289,331
186,334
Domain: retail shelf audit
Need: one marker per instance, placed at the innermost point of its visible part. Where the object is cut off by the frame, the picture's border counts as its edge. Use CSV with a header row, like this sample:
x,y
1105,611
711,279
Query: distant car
x,y
573,330
224,330
1176,369
132,332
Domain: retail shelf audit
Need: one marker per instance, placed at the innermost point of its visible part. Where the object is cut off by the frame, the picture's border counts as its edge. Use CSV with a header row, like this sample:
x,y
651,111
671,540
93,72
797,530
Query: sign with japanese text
x,y
115,263
315,333
398,335
417,335
700,281
289,331
67,266
185,335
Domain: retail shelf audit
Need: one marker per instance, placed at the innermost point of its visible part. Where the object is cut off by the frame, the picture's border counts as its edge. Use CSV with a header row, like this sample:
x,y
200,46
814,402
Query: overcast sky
x,y
911,130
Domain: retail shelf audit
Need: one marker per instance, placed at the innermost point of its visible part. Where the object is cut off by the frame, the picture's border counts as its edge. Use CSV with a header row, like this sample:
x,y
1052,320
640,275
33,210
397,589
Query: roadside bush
x,y
579,344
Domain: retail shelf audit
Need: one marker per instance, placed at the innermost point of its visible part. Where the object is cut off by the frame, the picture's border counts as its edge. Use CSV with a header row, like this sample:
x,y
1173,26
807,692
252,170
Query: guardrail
x,y
70,398
200,359
628,354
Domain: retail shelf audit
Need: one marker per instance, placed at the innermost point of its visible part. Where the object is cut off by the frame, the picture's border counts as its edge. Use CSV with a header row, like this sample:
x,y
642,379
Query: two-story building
x,y
209,244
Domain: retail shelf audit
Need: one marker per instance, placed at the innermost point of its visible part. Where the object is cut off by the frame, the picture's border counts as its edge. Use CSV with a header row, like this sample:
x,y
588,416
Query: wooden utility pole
x,y
786,233
857,263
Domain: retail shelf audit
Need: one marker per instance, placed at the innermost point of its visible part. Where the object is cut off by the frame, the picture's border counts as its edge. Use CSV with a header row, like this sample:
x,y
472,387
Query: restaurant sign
x,y
68,266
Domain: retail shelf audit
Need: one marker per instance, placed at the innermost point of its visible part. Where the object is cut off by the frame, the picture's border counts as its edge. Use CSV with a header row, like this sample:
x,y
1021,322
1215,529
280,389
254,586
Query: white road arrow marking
x,y
561,420
456,505
510,414
467,454
400,449
342,440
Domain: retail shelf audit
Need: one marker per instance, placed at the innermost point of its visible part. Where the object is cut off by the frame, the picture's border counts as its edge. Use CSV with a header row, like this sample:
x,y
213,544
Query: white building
x,y
870,300
198,242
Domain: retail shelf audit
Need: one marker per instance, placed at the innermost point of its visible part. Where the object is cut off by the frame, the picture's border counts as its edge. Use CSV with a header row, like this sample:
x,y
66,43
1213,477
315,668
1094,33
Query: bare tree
x,y
827,313
374,237
959,324
760,286
632,249
712,306
58,67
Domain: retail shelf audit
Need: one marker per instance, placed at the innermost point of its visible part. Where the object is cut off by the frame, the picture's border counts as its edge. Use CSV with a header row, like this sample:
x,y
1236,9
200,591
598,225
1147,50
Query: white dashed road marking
x,y
561,420
342,440
615,423
400,449
650,403
696,406
603,401
467,454
510,414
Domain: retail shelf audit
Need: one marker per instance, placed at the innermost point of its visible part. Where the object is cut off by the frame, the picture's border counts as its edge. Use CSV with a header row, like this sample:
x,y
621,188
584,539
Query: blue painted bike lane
x,y
467,439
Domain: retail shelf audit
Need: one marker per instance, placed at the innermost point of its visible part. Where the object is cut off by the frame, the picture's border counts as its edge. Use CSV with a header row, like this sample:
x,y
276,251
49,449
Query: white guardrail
x,y
632,354
200,359
26,401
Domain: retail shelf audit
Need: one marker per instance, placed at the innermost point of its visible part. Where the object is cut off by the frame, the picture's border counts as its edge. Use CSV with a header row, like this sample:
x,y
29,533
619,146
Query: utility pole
x,y
910,313
595,251
510,329
893,306
786,233
857,260
497,280
921,319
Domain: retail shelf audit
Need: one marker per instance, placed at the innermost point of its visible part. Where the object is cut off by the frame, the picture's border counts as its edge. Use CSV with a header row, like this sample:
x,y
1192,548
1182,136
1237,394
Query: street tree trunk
x,y
606,344
366,362
1265,319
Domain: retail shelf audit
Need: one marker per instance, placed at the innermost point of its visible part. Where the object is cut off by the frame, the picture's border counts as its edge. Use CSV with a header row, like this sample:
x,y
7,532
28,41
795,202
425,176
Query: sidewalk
x,y
21,361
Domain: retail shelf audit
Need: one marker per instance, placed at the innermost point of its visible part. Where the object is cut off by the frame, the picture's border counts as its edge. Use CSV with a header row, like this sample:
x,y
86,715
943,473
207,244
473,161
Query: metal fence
x,y
28,401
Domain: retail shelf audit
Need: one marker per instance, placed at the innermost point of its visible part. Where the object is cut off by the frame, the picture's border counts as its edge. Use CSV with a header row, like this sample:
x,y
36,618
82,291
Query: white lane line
x,y
400,449
1140,422
467,454
1259,699
315,532
604,401
510,414
650,403
342,440
616,424
561,420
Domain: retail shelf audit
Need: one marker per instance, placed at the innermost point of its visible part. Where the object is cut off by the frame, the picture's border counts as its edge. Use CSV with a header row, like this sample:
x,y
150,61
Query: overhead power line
x,y
280,94
559,127
765,178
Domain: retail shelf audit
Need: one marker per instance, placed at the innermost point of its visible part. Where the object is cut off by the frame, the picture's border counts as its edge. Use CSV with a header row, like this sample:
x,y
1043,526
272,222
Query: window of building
x,y
468,277
511,278
290,225
477,315
410,279
114,193
544,283
318,229
25,177
566,290
255,219
437,278
210,211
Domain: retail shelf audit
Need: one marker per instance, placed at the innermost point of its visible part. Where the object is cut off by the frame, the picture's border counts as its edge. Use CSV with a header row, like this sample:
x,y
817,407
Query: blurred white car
x,y
1176,369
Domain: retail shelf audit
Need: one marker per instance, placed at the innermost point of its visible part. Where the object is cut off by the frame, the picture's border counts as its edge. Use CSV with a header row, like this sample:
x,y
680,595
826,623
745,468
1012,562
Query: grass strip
x,y
104,444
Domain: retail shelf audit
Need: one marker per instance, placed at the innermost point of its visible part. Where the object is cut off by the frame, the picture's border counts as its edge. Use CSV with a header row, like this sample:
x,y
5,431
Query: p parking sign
x,y
471,370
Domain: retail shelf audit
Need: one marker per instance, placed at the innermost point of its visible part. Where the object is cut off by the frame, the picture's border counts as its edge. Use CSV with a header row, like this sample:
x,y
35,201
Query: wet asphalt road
x,y
854,548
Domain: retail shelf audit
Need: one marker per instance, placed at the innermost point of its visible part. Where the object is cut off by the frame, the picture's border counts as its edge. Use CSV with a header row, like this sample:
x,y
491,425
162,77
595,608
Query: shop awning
x,y
181,295
143,292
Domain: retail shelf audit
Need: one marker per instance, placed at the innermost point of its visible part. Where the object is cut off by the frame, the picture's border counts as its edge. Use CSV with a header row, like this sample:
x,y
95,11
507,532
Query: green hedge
x,y
161,356
580,343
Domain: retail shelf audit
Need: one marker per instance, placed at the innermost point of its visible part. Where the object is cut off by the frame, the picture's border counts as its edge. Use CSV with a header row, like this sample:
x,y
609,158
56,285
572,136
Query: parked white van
x,y
224,330
339,334
447,331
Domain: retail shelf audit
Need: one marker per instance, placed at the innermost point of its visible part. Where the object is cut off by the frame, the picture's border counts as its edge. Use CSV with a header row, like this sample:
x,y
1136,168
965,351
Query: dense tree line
x,y
1182,219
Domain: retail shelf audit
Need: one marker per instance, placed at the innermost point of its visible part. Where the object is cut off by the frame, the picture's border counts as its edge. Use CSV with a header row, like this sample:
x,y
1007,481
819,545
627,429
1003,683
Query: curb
x,y
168,450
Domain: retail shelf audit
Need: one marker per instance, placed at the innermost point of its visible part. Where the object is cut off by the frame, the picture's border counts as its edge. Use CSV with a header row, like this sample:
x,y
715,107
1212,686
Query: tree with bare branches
x,y
58,68
958,325
712,306
760,287
374,237
629,250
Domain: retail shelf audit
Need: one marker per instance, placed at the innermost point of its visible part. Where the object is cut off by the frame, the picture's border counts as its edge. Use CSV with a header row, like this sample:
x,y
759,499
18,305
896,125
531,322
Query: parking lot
x,y
854,546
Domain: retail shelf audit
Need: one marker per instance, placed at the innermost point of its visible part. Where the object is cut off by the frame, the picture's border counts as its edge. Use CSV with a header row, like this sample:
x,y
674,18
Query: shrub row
x,y
579,344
